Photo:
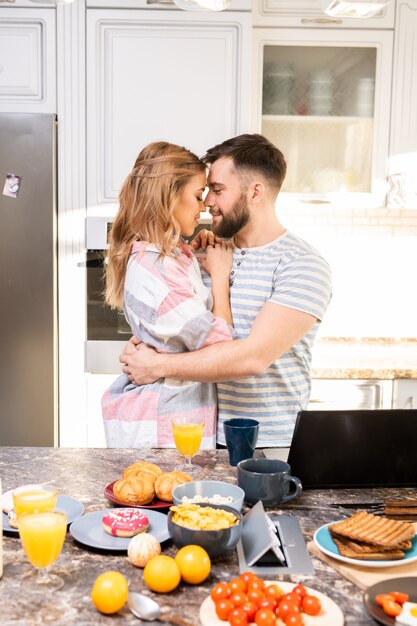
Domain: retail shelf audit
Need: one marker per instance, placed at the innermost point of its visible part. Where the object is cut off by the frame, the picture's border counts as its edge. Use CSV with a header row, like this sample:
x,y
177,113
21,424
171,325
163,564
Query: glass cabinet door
x,y
324,101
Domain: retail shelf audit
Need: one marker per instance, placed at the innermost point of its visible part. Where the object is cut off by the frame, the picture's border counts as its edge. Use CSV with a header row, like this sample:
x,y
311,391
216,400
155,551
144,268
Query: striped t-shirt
x,y
292,273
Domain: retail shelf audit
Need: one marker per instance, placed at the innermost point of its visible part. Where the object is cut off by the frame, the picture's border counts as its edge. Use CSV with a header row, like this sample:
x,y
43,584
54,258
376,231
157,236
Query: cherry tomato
x,y
379,599
300,590
293,597
268,603
219,592
285,607
257,583
392,608
294,619
311,605
250,609
265,617
273,591
255,595
237,617
399,596
223,608
247,577
238,598
236,584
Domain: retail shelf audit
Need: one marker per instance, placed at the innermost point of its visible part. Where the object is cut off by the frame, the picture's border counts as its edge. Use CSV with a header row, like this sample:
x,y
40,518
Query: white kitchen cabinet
x,y
323,97
350,394
96,386
308,14
403,142
404,394
160,75
27,60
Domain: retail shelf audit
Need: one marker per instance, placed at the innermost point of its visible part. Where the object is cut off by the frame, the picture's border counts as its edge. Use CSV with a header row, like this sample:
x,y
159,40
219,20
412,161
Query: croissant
x,y
166,483
142,466
134,490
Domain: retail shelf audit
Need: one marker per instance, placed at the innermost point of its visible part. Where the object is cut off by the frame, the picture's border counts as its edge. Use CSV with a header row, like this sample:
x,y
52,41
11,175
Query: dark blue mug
x,y
241,435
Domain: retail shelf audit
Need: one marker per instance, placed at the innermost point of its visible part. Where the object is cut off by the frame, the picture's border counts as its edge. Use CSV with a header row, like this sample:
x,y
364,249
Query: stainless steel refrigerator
x,y
28,283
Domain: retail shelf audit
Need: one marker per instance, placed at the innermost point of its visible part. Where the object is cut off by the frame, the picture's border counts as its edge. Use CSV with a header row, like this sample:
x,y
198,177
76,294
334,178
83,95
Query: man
x,y
280,289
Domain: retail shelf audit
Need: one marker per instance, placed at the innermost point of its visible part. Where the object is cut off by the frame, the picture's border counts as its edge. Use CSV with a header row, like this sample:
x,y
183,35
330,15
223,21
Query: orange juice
x,y
42,536
34,501
187,438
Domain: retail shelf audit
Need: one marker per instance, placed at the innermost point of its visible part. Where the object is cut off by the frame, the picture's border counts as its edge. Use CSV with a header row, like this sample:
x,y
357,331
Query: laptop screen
x,y
355,448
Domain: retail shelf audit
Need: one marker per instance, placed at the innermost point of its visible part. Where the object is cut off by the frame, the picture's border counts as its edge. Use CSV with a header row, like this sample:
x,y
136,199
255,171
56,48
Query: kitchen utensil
x,y
148,610
210,489
406,584
330,612
323,540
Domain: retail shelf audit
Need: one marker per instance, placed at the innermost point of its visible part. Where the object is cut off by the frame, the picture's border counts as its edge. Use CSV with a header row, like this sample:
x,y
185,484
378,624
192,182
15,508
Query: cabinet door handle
x,y
321,20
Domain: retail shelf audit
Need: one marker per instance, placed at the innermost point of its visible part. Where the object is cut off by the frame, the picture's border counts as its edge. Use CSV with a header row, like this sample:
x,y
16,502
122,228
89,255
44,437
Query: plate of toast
x,y
369,540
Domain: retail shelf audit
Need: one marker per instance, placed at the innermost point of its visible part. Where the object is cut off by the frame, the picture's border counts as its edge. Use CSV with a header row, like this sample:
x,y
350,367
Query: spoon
x,y
147,609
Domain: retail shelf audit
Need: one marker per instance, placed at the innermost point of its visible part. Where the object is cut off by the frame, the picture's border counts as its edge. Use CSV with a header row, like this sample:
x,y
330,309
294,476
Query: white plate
x,y
89,530
330,615
325,543
72,507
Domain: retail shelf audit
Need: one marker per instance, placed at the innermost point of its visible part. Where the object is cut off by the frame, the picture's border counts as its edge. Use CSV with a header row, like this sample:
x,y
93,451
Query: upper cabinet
x,y
161,75
309,14
323,97
27,60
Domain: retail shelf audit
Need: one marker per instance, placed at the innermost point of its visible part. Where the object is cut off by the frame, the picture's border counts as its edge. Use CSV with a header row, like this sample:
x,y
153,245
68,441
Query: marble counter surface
x,y
83,474
364,358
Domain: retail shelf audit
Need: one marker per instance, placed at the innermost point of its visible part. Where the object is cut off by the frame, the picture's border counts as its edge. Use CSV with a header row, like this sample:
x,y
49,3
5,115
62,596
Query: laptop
x,y
360,448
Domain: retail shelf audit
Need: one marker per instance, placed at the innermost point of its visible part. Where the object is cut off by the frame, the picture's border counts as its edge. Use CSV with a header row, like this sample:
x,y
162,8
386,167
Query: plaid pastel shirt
x,y
169,308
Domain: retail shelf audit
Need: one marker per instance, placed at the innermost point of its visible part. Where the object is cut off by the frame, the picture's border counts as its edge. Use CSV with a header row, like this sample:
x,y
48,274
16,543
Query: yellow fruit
x,y
162,574
109,592
194,564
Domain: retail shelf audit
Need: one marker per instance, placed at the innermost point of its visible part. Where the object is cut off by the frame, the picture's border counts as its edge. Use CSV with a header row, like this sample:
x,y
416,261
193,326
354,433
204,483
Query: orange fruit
x,y
194,564
162,574
109,592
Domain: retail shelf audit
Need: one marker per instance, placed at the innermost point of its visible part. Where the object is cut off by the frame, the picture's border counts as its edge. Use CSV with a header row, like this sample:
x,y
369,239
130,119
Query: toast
x,y
364,552
374,530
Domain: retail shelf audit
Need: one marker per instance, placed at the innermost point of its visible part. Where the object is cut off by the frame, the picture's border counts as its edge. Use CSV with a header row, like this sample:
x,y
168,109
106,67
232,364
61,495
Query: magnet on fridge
x,y
12,185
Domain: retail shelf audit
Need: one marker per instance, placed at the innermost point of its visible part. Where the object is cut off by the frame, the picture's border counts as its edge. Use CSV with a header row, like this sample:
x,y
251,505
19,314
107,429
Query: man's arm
x,y
276,329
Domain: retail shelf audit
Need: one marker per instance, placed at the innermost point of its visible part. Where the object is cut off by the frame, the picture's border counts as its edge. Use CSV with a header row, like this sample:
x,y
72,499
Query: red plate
x,y
155,504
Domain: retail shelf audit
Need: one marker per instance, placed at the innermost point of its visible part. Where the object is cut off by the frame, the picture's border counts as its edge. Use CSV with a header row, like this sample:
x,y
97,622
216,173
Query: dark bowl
x,y
215,542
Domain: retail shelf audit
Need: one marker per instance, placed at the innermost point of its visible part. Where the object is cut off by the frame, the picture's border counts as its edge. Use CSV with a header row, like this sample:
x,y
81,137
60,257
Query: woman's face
x,y
190,205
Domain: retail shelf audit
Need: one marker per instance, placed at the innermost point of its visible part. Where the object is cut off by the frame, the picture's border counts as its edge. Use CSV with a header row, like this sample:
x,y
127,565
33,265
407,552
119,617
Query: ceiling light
x,y
353,8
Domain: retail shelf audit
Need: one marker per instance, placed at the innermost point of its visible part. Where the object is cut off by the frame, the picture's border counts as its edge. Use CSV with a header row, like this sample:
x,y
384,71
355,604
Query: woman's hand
x,y
203,239
218,261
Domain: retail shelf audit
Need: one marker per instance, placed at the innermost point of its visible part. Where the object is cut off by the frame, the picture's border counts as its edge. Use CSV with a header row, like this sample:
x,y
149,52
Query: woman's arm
x,y
218,263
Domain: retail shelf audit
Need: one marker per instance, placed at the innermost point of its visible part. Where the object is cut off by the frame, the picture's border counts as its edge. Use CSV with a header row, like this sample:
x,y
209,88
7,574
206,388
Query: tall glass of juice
x,y
42,536
188,433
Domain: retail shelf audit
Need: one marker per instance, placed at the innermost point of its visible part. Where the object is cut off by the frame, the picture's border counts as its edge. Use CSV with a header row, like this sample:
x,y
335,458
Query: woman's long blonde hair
x,y
147,201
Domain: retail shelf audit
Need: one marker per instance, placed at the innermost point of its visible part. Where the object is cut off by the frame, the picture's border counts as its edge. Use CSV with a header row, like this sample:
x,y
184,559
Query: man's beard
x,y
231,224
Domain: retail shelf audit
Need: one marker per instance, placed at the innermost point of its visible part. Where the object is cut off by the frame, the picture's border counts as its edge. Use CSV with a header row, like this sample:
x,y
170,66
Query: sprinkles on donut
x,y
125,522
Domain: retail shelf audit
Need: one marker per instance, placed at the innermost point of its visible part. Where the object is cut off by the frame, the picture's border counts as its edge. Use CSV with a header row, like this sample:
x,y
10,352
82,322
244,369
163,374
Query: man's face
x,y
226,199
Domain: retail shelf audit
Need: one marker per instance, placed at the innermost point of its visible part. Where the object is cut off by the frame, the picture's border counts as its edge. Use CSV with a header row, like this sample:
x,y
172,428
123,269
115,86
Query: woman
x,y
153,274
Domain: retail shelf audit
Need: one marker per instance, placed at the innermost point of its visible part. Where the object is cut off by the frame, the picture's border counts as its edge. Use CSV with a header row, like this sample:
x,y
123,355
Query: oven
x,y
107,329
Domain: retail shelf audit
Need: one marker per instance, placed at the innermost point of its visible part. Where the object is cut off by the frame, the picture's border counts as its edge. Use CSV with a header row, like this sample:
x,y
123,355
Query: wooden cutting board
x,y
331,614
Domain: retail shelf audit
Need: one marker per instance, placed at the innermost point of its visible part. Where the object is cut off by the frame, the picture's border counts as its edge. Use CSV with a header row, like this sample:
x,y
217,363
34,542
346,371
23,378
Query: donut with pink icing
x,y
125,522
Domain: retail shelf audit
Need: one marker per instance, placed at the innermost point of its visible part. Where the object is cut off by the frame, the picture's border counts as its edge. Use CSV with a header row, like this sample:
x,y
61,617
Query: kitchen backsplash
x,y
373,258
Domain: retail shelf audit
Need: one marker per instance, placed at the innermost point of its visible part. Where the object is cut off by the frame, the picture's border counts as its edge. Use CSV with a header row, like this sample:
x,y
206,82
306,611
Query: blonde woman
x,y
153,274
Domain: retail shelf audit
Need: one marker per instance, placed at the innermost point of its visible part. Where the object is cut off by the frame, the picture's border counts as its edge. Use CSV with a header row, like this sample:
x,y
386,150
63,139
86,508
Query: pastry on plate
x,y
166,483
137,490
125,522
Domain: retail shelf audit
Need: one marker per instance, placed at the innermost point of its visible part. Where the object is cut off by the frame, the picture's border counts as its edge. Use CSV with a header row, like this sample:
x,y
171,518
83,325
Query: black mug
x,y
268,480
241,435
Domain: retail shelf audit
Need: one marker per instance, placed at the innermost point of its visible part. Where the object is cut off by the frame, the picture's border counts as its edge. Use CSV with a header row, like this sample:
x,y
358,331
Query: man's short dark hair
x,y
252,153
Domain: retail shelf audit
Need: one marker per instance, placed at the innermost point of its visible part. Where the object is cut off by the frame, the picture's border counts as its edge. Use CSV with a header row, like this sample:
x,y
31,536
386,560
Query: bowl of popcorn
x,y
216,528
209,492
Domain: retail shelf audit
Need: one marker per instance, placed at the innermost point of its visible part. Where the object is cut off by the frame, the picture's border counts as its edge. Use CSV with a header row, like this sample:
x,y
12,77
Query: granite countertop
x,y
364,358
83,474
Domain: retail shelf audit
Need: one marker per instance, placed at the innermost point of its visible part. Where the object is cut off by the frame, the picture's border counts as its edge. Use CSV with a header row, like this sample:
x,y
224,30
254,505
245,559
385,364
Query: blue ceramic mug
x,y
241,435
268,480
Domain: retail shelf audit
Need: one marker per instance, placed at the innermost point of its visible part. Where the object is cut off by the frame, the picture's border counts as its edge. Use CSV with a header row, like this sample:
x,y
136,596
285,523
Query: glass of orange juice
x,y
42,536
188,433
34,499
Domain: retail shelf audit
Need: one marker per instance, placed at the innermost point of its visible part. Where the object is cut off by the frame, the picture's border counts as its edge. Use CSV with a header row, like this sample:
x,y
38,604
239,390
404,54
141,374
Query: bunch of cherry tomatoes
x,y
248,599
392,602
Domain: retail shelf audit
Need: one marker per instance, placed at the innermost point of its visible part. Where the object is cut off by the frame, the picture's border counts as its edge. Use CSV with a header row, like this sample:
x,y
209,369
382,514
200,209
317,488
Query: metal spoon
x,y
147,609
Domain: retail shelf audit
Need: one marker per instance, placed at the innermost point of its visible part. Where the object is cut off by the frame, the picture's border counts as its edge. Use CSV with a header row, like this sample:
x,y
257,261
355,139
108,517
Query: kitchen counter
x,y
364,358
83,473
